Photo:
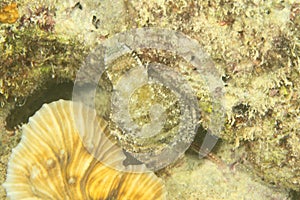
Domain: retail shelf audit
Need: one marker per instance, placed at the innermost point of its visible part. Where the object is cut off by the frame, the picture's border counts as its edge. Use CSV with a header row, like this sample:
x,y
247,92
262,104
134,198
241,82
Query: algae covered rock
x,y
253,44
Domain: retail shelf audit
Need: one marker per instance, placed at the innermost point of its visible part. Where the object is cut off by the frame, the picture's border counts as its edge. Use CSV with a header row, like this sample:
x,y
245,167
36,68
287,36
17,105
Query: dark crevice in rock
x,y
50,91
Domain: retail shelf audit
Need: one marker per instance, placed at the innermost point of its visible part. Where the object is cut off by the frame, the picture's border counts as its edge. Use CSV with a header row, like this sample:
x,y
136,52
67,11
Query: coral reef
x,y
194,179
31,54
256,47
254,44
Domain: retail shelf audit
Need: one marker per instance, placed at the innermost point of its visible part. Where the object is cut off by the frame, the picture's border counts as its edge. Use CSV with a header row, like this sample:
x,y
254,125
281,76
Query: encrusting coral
x,y
64,154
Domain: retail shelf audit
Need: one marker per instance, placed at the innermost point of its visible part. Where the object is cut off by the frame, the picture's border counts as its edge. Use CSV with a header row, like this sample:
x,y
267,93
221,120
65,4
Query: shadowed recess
x,y
50,91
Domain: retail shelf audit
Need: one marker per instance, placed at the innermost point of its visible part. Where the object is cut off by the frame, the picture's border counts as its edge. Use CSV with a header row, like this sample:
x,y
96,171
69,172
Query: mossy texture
x,y
255,45
31,56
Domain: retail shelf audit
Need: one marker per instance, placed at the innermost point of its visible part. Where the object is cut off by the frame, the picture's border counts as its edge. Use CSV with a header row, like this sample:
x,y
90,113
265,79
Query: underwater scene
x,y
150,100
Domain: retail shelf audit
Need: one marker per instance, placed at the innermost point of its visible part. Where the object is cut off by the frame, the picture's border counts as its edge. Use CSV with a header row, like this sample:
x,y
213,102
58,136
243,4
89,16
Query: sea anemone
x,y
64,154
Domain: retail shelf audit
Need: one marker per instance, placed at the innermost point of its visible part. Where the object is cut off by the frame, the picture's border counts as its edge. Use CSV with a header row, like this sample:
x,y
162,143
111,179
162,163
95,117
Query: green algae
x,y
31,56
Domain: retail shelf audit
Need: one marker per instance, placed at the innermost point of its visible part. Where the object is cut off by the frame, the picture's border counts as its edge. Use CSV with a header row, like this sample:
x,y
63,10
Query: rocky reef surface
x,y
255,46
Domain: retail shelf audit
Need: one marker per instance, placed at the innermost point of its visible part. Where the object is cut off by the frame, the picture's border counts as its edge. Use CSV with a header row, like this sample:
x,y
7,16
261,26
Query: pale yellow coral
x,y
64,154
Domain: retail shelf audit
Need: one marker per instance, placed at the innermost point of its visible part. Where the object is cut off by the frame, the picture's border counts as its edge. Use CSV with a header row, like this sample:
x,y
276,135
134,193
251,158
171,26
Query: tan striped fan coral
x,y
52,163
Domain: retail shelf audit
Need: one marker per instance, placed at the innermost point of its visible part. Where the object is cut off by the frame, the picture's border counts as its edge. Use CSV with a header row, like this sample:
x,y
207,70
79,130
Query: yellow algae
x,y
9,14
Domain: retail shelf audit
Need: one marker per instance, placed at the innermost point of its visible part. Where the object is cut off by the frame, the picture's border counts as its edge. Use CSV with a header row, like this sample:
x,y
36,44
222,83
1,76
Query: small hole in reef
x,y
51,90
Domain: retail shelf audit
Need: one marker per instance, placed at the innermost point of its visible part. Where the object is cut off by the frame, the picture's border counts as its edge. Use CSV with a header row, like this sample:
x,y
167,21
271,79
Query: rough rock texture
x,y
254,44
